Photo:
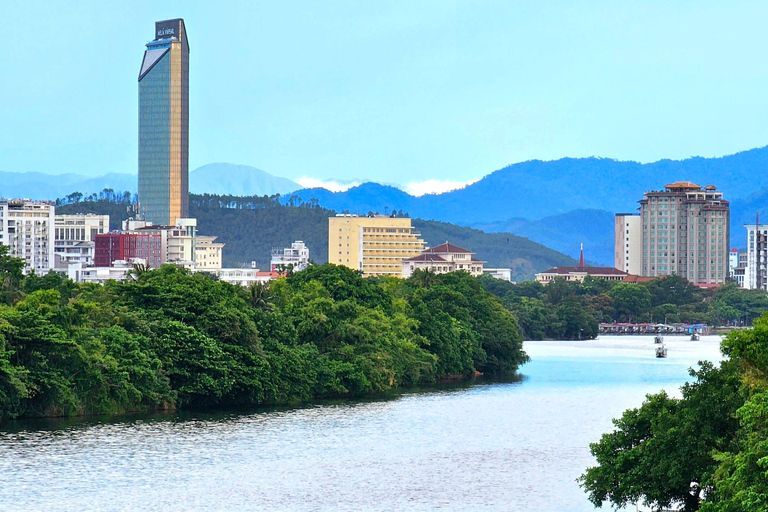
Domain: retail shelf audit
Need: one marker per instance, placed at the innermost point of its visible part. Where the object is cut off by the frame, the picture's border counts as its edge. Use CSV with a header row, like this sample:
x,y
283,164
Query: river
x,y
486,446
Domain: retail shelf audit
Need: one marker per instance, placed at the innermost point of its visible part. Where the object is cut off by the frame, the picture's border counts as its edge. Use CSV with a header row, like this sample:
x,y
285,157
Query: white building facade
x,y
75,238
628,243
296,257
208,252
442,259
757,251
27,227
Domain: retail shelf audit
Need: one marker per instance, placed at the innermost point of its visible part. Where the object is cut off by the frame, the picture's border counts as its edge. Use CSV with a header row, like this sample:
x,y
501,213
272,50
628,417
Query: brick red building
x,y
111,247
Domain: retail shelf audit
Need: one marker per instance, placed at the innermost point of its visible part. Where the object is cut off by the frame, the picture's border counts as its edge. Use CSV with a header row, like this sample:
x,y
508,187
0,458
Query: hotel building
x,y
375,245
685,231
164,125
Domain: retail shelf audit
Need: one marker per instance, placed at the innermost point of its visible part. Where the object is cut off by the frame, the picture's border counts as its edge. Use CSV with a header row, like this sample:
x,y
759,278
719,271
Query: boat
x,y
695,336
661,351
658,339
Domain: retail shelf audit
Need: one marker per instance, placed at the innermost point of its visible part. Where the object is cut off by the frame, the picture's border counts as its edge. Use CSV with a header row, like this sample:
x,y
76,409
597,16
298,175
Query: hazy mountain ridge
x,y
217,178
237,180
546,201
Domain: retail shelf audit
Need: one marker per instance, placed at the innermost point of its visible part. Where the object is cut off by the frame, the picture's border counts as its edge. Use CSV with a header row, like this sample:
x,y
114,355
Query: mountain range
x,y
217,178
561,203
566,202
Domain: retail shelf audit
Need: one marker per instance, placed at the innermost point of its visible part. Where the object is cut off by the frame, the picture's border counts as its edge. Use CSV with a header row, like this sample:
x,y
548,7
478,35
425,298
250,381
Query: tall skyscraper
x,y
164,125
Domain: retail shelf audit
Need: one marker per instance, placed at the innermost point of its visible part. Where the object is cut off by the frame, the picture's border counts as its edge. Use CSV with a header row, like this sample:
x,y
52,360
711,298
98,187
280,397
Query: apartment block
x,y
208,253
27,227
756,270
375,245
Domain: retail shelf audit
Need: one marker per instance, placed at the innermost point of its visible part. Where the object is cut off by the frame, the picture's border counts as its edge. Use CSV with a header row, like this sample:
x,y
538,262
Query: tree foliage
x,y
169,339
705,451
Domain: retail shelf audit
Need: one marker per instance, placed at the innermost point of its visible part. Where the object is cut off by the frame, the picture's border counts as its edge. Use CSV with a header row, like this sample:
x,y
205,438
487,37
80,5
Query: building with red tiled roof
x,y
579,272
442,259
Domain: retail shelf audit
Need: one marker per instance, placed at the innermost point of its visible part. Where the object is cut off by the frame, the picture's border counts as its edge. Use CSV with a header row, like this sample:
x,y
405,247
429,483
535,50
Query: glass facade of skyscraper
x,y
164,125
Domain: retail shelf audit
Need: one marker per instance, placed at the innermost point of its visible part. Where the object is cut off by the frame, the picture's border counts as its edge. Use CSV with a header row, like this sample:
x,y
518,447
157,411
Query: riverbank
x,y
168,340
487,446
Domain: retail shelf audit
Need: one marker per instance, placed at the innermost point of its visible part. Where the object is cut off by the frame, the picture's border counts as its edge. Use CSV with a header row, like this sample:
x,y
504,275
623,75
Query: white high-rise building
x,y
75,238
27,227
628,243
757,249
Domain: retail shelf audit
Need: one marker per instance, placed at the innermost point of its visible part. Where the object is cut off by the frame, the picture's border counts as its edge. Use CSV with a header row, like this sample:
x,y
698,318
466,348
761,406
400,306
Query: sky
x,y
424,94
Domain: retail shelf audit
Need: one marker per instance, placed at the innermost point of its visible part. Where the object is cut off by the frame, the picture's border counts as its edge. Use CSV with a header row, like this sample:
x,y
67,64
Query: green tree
x,y
631,301
662,452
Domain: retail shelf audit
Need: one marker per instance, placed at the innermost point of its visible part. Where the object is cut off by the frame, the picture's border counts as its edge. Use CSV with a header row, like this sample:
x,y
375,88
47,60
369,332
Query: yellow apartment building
x,y
376,245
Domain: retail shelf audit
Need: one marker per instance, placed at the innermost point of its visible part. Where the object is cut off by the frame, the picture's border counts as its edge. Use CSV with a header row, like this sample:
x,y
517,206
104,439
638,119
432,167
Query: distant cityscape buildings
x,y
164,125
75,239
756,268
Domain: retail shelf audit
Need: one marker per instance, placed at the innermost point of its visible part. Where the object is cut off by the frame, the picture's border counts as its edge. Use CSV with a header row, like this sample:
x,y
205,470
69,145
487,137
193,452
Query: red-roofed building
x,y
580,272
442,259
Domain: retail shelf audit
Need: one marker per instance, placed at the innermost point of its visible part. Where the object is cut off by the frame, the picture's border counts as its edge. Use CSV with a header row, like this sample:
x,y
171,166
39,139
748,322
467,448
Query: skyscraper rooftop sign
x,y
167,29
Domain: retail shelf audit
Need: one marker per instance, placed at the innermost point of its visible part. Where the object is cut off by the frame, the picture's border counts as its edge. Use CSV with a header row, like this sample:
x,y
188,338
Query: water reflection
x,y
509,445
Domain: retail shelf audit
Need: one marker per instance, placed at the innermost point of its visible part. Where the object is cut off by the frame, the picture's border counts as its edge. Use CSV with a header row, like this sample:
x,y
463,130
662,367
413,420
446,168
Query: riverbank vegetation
x,y
705,451
165,339
572,310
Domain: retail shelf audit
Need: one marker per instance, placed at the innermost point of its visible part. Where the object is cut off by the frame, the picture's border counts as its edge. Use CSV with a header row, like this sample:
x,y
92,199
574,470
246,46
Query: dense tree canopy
x,y
572,310
167,339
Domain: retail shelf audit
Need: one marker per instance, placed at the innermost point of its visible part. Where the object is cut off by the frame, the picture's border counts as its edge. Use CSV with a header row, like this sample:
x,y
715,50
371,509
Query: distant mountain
x,y
536,189
221,178
566,232
237,180
556,203
37,185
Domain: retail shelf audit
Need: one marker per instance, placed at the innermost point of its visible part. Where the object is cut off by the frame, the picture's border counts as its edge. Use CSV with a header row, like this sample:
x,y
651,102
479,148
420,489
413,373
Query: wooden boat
x,y
661,351
658,339
695,336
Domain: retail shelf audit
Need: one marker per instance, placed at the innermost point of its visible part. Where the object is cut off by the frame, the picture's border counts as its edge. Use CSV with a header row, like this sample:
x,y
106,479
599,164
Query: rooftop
x,y
592,271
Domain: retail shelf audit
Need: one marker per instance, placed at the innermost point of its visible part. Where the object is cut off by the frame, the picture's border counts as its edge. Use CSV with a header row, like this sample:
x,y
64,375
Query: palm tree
x,y
261,297
138,270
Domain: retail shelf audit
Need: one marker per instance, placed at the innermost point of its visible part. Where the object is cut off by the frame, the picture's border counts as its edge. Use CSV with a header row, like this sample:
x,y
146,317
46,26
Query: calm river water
x,y
489,446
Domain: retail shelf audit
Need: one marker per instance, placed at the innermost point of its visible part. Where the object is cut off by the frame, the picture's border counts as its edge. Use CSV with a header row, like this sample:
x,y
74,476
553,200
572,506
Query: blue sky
x,y
397,92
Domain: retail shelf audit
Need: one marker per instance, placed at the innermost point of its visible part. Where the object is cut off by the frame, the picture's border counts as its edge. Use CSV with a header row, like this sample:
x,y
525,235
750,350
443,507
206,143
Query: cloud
x,y
333,186
419,188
